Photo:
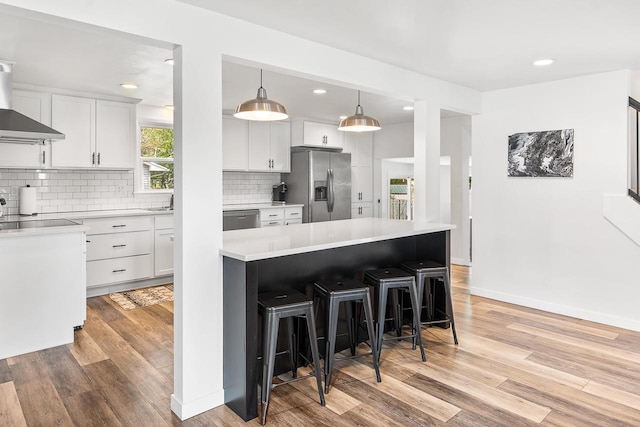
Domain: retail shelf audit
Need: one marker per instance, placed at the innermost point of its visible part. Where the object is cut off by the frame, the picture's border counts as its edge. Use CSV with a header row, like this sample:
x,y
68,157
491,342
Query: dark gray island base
x,y
244,278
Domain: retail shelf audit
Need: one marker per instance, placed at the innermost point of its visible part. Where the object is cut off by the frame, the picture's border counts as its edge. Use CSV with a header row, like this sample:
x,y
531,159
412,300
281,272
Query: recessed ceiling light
x,y
343,117
543,62
408,108
129,85
169,61
319,91
170,107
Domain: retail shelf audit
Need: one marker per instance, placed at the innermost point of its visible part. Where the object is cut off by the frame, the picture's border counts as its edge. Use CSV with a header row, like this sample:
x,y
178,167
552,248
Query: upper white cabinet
x,y
97,133
360,145
255,146
269,146
235,144
35,105
314,134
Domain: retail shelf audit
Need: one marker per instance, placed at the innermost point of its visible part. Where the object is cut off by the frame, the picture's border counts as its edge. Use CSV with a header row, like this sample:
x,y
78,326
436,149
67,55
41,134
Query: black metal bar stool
x,y
394,279
285,305
424,272
349,291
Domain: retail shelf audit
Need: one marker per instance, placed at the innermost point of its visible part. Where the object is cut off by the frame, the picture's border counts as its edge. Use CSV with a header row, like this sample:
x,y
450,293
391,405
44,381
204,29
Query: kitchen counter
x,y
293,257
37,227
262,243
85,214
259,206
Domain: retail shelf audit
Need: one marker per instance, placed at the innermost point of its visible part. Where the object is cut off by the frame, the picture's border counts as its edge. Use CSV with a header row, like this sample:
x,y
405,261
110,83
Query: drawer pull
x,y
120,270
119,246
273,222
119,225
88,241
273,215
294,213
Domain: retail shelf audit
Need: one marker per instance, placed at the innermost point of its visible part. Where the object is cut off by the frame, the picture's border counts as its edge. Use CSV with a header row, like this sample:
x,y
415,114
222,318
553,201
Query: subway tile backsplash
x,y
76,190
246,187
88,190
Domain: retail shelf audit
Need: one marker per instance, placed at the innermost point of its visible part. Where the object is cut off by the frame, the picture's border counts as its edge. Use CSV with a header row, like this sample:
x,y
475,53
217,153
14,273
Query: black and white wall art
x,y
547,153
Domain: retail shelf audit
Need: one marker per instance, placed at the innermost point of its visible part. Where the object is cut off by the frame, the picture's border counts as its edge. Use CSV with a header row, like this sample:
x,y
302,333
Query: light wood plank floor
x,y
514,366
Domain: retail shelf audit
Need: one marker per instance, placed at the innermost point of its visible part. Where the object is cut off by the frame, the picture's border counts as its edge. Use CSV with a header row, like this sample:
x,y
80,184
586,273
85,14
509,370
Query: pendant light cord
x,y
358,97
260,77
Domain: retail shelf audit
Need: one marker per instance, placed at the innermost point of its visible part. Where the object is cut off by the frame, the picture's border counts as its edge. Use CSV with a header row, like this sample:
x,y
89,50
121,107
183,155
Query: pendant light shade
x,y
359,122
260,108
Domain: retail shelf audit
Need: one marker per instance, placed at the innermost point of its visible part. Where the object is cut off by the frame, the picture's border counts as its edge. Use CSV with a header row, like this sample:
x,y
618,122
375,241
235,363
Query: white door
x,y
36,106
163,252
260,146
281,146
333,136
235,144
115,134
313,134
75,117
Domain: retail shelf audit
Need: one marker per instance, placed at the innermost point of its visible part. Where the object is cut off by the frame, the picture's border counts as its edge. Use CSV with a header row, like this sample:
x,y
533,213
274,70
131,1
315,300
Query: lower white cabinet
x,y
115,254
116,270
361,210
273,216
163,246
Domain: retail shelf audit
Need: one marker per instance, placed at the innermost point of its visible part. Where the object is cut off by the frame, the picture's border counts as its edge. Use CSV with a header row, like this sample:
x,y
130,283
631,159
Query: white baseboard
x,y
460,261
579,313
191,409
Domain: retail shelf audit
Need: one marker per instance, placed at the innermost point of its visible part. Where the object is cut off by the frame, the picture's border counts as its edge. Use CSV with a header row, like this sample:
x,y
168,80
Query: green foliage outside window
x,y
157,144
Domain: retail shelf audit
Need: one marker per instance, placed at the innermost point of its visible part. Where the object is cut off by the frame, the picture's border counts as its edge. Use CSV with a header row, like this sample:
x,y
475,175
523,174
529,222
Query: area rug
x,y
143,297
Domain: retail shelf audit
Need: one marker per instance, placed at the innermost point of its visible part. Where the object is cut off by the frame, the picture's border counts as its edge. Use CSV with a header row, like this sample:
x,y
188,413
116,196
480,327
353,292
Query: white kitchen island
x,y
293,257
42,284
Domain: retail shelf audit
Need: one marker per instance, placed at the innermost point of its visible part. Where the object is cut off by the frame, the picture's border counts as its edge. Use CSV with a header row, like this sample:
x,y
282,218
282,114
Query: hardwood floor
x,y
514,366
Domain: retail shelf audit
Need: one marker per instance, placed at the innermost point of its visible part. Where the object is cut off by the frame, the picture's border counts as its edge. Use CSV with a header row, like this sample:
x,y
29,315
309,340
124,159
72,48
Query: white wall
x,y
543,242
201,39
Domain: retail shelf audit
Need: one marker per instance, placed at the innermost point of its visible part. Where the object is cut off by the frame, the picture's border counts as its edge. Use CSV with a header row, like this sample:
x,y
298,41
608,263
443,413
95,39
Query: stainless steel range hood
x,y
15,127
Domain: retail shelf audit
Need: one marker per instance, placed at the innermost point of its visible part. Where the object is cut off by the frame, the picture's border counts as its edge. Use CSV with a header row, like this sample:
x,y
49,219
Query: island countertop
x,y
271,242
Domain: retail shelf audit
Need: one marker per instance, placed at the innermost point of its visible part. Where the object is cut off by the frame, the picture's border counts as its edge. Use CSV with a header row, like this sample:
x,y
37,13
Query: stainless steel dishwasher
x,y
237,220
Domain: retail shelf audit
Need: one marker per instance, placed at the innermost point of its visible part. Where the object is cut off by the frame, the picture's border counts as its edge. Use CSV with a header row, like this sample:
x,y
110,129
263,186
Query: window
x,y
634,152
156,157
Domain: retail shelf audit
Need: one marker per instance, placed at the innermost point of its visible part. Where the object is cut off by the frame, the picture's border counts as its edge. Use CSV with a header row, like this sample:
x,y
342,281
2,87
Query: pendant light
x,y
359,122
260,108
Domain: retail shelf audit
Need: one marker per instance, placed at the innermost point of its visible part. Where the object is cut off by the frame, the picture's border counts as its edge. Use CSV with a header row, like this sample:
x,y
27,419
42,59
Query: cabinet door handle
x,y
120,270
88,241
119,246
98,159
44,154
119,226
93,158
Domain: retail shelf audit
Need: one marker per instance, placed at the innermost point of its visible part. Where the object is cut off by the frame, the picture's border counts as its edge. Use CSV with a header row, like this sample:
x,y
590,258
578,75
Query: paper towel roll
x,y
27,203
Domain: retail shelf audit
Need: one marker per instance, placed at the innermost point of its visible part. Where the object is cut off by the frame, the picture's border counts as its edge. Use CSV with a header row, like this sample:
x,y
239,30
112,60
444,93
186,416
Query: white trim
x,y
576,312
191,409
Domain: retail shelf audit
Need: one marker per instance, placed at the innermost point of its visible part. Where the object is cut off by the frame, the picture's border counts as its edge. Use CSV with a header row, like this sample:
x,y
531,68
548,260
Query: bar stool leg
x,y
447,290
268,360
368,313
382,309
416,317
397,321
331,343
420,284
311,327
351,323
293,350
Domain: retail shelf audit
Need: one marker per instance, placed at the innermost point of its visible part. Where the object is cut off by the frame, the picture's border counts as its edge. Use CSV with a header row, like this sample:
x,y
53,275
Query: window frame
x,y
139,174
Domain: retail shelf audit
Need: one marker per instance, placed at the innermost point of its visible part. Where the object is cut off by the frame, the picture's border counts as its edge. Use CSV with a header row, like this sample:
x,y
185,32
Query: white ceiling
x,y
486,45
481,44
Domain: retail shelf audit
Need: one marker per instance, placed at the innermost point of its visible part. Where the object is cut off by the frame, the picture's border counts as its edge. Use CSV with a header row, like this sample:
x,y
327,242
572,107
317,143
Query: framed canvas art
x,y
547,153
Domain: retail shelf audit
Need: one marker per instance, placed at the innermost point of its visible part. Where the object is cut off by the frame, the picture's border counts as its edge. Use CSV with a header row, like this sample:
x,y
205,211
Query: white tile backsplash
x,y
80,190
246,187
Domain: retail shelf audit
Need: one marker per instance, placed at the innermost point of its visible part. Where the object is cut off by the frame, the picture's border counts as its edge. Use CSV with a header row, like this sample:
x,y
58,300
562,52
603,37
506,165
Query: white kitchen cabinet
x,y
362,210
273,216
118,250
97,133
115,135
35,105
360,145
269,146
235,144
315,134
163,245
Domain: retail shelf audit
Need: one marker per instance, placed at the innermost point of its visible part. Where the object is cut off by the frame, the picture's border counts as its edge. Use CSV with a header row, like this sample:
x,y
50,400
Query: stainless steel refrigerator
x,y
321,181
